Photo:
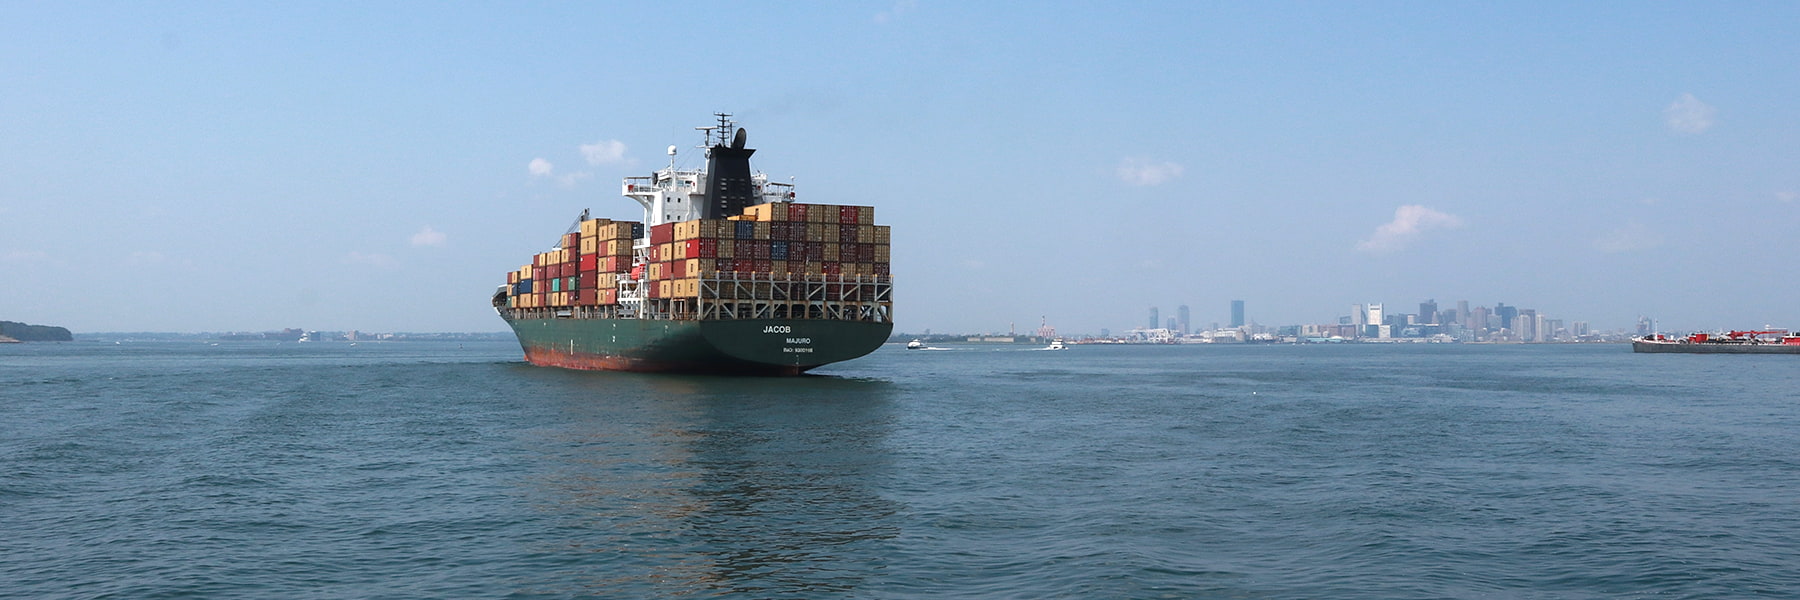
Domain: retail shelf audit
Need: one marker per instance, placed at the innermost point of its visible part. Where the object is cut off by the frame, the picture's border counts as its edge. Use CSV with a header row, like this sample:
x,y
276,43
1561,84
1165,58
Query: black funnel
x,y
728,189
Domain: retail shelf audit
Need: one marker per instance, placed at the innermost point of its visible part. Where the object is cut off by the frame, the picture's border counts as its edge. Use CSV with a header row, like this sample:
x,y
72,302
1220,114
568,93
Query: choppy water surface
x,y
412,470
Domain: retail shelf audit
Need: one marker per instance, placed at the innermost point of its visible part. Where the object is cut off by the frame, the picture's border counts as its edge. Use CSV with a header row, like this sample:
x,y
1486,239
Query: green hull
x,y
747,346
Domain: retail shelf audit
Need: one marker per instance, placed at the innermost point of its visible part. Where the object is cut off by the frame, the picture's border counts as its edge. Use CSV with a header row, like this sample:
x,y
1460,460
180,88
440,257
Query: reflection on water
x,y
669,486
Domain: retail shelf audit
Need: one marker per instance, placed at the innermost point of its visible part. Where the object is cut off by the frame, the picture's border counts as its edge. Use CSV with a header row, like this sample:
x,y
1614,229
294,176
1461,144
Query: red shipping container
x,y
678,269
742,265
797,212
882,269
584,297
762,265
615,264
847,215
537,274
702,248
759,249
587,281
832,268
512,277
571,241
589,263
662,234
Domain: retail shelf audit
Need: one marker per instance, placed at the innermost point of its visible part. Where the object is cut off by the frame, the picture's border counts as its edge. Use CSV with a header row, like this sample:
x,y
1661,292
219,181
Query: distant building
x,y
1506,314
1154,317
1237,313
1182,313
1428,312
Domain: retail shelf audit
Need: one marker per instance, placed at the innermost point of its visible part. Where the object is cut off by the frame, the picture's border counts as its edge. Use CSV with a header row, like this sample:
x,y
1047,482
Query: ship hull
x,y
1712,348
746,346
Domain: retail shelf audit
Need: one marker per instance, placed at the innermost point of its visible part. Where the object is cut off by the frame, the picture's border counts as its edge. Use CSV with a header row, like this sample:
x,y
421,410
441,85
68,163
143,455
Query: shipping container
x,y
831,253
778,249
880,268
588,263
846,215
881,234
744,230
865,215
881,253
662,234
819,213
847,234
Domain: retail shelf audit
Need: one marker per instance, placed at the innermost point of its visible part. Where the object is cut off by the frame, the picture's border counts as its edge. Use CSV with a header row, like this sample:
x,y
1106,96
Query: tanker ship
x,y
1768,341
726,273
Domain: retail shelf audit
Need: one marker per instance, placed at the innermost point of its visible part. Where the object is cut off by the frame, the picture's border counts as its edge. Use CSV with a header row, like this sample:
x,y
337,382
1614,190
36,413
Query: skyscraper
x,y
1182,314
1462,312
1506,314
1154,317
1237,313
1428,312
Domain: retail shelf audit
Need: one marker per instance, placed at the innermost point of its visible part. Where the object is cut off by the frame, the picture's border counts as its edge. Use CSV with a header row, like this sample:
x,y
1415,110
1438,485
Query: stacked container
x,y
779,240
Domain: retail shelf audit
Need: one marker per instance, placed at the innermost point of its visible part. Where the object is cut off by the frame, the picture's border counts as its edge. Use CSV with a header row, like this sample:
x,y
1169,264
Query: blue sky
x,y
373,166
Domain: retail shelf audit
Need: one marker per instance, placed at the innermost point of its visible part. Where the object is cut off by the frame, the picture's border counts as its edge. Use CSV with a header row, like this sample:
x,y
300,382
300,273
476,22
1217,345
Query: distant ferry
x,y
1767,341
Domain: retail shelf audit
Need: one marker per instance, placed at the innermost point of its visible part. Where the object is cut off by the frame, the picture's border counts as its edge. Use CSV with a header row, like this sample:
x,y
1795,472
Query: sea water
x,y
455,470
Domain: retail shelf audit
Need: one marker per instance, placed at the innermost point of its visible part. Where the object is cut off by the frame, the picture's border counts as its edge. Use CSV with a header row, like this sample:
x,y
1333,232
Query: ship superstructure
x,y
726,273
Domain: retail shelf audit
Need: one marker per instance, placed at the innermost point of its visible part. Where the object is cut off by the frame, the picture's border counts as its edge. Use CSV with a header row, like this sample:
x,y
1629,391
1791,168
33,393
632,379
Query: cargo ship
x,y
1767,341
727,273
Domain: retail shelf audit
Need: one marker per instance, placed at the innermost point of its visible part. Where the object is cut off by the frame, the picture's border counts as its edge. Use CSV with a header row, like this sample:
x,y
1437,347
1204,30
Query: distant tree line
x,y
35,333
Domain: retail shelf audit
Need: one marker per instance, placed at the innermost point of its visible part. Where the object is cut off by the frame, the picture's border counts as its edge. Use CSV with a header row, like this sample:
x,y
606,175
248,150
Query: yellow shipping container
x,y
762,231
778,267
590,245
815,232
812,268
881,234
700,267
816,213
829,233
727,248
656,271
831,251
773,211
865,215
592,227
882,254
865,234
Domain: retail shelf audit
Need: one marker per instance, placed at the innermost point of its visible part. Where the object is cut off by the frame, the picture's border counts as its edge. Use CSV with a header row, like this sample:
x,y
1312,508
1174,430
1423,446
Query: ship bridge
x,y
726,186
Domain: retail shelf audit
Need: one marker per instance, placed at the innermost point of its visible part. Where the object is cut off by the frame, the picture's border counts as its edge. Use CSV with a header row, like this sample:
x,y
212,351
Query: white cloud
x,y
540,167
1410,222
1689,115
146,258
1142,171
1632,237
25,257
373,259
604,152
901,7
428,237
1787,196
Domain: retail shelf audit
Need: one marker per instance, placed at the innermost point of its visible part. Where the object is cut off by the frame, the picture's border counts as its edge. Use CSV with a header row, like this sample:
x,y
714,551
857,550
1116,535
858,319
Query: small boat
x,y
915,345
1768,341
1057,344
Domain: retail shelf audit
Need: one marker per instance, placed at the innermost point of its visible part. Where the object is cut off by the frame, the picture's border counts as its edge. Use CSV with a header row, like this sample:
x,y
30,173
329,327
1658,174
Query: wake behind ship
x,y
725,274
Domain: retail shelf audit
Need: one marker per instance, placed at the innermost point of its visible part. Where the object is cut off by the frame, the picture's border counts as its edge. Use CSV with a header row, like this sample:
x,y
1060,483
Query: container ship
x,y
726,273
1768,341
